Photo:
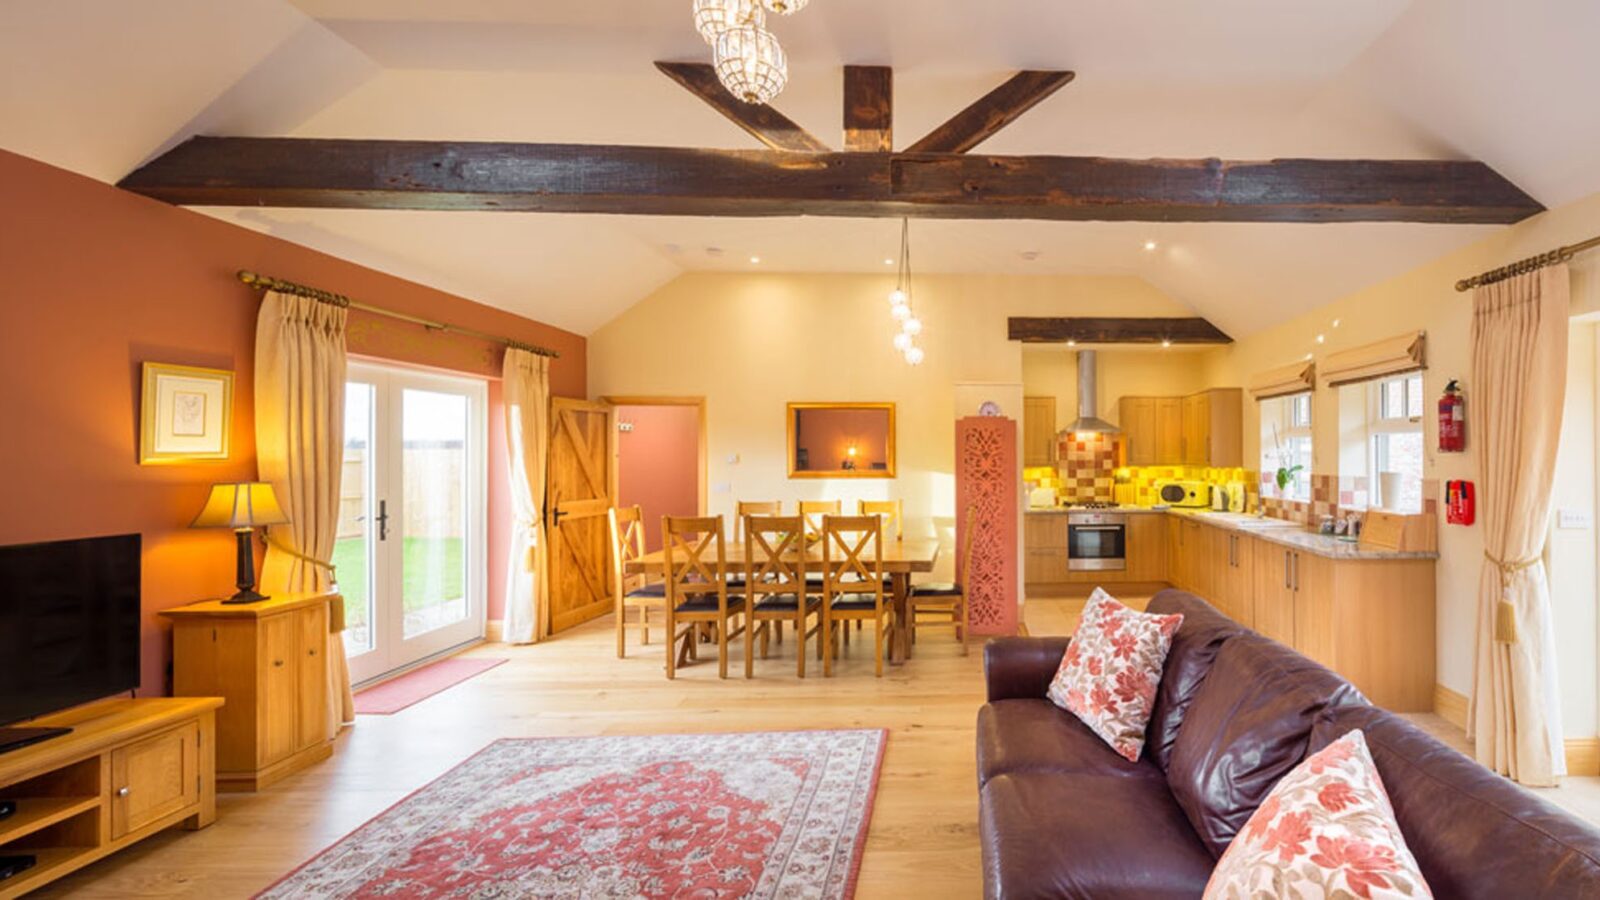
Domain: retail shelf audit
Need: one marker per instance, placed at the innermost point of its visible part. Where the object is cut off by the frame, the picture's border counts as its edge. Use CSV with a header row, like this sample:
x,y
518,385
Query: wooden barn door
x,y
577,497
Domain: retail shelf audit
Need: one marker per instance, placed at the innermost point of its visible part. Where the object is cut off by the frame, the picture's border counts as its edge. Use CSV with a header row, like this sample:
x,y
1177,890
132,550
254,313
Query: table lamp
x,y
242,506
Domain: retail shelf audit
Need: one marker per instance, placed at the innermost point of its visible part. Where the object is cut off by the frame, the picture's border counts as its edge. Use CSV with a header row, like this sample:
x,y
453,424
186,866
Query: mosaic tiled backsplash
x,y
1088,472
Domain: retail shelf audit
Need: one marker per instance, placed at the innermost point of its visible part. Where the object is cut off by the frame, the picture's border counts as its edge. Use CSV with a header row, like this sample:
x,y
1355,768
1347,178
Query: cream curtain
x,y
1519,364
527,398
299,410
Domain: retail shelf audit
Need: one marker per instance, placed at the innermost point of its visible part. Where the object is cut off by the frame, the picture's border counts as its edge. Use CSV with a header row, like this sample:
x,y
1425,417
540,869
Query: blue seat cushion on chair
x,y
856,601
936,589
706,603
779,601
659,589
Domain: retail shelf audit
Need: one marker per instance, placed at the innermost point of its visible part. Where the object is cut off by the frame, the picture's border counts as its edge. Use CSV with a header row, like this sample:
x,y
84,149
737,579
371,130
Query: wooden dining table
x,y
900,560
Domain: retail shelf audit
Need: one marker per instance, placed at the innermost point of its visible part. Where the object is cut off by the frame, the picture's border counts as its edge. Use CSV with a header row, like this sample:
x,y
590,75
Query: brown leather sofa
x,y
1061,815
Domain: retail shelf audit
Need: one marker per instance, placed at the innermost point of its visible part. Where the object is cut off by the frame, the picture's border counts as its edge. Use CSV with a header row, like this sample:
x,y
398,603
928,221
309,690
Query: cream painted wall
x,y
1425,298
1052,370
749,343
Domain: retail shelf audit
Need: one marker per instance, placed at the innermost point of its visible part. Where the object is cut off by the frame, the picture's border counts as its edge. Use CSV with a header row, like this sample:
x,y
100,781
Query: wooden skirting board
x,y
1583,754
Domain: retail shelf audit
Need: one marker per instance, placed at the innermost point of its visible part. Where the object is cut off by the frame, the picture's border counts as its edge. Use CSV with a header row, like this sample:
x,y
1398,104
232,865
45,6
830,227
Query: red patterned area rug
x,y
759,814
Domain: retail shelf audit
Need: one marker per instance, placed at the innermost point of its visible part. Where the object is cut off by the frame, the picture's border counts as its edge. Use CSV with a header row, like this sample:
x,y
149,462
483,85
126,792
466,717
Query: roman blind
x,y
1391,356
1295,378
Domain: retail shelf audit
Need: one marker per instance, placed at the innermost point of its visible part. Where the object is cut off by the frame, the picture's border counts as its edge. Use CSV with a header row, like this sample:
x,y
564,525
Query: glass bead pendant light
x,y
751,64
785,7
713,17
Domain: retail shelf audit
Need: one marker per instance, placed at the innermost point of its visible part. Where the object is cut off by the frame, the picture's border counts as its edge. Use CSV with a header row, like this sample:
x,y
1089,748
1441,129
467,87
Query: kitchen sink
x,y
1246,520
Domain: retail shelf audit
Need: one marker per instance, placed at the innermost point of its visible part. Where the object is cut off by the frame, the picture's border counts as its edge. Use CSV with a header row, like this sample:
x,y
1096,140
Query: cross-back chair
x,y
947,602
696,557
853,588
753,508
630,592
893,512
813,511
776,587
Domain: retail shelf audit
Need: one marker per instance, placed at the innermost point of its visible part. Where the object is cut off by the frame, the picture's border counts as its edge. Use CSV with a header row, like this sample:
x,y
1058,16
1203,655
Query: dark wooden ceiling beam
x,y
869,109
1100,330
366,174
992,112
766,124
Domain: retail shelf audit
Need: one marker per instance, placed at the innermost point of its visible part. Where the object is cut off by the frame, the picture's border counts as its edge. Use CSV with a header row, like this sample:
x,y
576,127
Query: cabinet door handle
x,y
122,792
311,652
277,662
1297,571
1287,585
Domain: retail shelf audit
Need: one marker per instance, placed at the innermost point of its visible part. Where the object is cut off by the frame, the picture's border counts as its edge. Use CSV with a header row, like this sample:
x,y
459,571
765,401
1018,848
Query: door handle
x,y
1297,571
383,520
1286,583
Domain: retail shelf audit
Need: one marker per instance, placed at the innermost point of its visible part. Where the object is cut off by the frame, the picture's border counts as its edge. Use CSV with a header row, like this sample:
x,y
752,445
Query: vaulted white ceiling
x,y
99,86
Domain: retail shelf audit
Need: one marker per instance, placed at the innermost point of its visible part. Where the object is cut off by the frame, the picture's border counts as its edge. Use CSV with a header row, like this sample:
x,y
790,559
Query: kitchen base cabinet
x,y
1372,621
1147,549
1233,584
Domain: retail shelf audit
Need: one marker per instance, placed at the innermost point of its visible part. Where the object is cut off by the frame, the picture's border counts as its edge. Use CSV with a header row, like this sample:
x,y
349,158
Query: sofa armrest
x,y
1021,668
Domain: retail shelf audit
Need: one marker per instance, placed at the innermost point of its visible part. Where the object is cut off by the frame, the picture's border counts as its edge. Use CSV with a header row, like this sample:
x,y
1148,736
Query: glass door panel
x,y
353,548
435,477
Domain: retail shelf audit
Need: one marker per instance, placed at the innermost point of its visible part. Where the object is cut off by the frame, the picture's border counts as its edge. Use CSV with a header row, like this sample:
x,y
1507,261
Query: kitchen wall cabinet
x,y
1038,431
1204,429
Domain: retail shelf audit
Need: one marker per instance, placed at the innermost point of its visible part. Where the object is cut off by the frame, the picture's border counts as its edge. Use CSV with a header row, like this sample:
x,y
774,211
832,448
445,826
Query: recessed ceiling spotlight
x,y
713,251
755,260
1322,339
1336,323
1029,255
1149,245
887,261
1166,344
1072,342
1308,356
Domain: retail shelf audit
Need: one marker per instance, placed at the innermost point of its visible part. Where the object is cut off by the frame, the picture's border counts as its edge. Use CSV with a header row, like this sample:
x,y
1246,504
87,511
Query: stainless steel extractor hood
x,y
1088,420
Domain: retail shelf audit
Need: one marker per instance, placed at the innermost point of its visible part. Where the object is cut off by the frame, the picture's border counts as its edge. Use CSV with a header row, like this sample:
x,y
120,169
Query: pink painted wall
x,y
658,464
827,435
98,281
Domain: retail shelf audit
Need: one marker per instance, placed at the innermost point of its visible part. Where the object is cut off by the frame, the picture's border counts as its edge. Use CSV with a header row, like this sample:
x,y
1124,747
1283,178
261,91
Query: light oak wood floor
x,y
924,832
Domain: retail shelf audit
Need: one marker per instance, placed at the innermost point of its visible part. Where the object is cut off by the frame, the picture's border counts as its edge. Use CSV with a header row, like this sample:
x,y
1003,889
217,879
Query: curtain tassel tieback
x,y
530,557
335,610
1505,614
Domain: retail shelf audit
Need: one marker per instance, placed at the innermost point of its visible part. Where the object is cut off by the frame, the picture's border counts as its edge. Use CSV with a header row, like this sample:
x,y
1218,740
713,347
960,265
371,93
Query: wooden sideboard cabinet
x,y
269,660
128,769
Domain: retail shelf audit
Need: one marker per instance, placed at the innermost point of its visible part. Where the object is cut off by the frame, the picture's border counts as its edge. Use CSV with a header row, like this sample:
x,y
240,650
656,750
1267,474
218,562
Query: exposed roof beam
x,y
766,124
369,174
869,109
1100,330
991,112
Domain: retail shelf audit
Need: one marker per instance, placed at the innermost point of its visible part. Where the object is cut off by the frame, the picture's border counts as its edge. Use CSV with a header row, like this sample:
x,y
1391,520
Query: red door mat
x,y
413,687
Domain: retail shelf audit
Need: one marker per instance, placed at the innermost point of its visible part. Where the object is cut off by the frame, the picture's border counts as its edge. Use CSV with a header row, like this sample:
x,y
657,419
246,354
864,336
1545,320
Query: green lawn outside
x,y
419,590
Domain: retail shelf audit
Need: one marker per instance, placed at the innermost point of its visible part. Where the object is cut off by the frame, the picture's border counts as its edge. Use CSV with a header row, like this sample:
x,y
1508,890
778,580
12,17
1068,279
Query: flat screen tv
x,y
69,623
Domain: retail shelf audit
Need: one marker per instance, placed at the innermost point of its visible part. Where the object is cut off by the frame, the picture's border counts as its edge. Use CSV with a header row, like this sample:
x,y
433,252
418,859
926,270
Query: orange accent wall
x,y
658,464
95,281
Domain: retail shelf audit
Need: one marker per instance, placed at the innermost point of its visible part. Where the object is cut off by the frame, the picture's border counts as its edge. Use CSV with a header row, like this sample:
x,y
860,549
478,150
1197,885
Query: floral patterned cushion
x,y
1109,674
1327,830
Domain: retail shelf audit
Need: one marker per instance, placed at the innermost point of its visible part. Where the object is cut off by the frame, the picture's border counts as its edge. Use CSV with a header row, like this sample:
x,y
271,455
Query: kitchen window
x,y
1286,441
1394,440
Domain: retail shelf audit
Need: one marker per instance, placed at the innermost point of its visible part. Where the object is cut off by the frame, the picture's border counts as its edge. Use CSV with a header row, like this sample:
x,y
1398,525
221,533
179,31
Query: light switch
x,y
733,459
722,487
1572,519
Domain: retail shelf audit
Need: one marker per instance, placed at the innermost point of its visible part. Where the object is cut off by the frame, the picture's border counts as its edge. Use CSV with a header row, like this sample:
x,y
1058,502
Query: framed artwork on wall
x,y
185,415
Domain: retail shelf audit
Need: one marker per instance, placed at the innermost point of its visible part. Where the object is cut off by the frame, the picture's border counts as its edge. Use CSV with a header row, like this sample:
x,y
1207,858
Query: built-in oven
x,y
1097,541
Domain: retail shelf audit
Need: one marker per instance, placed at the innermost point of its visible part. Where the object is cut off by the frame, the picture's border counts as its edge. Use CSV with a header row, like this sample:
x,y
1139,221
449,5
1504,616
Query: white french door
x,y
411,552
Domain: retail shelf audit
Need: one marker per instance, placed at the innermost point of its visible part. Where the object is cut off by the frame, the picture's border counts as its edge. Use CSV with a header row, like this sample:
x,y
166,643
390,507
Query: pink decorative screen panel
x,y
987,479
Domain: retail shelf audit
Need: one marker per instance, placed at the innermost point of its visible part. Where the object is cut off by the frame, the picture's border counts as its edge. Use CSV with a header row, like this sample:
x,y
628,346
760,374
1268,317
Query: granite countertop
x,y
1276,531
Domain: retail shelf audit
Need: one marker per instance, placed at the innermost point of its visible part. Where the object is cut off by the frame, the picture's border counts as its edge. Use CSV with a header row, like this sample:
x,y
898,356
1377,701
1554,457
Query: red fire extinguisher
x,y
1452,419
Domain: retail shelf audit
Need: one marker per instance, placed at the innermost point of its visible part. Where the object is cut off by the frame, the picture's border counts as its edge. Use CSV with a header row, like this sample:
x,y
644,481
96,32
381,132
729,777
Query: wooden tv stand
x,y
129,769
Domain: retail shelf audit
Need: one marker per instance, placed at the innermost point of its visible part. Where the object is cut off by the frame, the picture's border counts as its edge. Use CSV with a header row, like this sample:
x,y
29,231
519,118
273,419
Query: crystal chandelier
x,y
747,57
751,64
713,17
900,302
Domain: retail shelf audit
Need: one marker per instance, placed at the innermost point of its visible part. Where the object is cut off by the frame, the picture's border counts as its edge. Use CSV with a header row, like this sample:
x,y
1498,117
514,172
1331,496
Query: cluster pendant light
x,y
747,57
900,302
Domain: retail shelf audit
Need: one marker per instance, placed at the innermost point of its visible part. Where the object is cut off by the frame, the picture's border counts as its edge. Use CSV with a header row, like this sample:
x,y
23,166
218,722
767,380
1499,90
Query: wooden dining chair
x,y
696,557
947,602
776,586
753,508
813,511
893,512
631,591
852,569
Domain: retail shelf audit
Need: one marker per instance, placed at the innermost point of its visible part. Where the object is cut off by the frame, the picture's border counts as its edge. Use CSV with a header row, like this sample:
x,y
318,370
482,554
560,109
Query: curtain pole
x,y
266,283
1558,255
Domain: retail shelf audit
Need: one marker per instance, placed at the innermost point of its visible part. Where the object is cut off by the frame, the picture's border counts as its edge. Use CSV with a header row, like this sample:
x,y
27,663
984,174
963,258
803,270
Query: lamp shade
x,y
244,504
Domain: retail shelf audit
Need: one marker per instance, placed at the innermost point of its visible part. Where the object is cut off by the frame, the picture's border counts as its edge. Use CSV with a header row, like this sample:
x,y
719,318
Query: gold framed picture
x,y
185,415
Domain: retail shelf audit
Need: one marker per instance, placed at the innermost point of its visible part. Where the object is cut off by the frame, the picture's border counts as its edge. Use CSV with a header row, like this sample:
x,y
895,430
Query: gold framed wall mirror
x,y
841,440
